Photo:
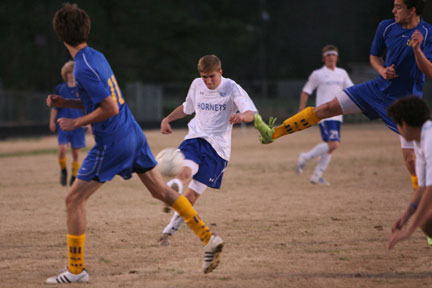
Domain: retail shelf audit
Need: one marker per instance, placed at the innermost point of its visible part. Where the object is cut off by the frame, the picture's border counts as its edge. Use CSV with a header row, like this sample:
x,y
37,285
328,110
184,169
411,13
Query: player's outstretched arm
x,y
422,62
176,114
424,196
107,109
60,102
246,117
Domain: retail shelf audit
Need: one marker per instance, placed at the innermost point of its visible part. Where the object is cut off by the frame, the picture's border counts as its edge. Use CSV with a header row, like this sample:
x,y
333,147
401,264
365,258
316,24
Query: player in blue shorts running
x,y
121,147
406,42
218,103
76,138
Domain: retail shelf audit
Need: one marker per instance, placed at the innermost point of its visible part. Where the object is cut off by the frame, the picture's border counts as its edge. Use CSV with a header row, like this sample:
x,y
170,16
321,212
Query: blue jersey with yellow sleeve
x,y
68,93
394,43
96,81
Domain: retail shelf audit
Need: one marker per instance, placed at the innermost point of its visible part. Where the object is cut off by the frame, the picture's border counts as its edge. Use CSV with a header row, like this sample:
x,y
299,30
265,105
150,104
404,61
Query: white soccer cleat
x,y
301,162
66,277
212,253
318,180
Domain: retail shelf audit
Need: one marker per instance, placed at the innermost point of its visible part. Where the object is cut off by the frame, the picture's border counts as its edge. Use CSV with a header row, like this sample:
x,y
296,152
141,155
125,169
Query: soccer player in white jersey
x,y
412,116
218,104
328,80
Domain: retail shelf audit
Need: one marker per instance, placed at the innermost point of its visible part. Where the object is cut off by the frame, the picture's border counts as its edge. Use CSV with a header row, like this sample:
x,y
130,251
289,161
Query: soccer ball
x,y
170,161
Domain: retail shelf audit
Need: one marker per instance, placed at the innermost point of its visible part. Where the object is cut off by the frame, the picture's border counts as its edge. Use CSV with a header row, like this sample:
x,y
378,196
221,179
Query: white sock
x,y
178,182
322,165
318,150
174,225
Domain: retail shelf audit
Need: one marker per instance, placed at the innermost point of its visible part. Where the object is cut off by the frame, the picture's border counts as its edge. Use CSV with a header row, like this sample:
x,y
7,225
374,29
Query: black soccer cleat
x,y
63,177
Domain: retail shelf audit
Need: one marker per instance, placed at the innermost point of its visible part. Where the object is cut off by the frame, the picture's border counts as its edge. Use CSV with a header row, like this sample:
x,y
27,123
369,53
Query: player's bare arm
x,y
420,216
245,117
53,116
410,210
303,101
174,115
59,102
423,63
107,109
387,73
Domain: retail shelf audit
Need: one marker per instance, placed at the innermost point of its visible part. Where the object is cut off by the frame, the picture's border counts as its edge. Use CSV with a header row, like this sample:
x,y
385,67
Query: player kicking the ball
x,y
328,80
412,117
121,147
215,101
406,42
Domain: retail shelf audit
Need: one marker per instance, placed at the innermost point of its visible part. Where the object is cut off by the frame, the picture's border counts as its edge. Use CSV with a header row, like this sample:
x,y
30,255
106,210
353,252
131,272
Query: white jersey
x,y
423,151
328,83
212,111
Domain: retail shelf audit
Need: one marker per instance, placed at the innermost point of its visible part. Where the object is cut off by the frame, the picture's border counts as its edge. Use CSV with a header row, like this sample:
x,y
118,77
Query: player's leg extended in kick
x,y
213,244
76,223
300,121
176,220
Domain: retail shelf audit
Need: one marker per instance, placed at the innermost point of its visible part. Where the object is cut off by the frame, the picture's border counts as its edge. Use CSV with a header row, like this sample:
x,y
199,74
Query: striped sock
x,y
75,244
300,121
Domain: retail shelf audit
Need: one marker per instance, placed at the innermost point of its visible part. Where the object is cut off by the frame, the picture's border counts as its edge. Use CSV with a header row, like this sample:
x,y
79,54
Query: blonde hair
x,y
67,68
329,48
209,63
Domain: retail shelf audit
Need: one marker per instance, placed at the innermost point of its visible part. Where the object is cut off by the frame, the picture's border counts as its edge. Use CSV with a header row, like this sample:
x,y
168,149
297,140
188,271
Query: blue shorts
x,y
122,155
330,130
373,102
75,137
211,165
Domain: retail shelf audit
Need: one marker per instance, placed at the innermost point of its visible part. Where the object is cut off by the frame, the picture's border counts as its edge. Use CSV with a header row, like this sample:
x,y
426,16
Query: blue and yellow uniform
x,y
77,136
121,147
393,42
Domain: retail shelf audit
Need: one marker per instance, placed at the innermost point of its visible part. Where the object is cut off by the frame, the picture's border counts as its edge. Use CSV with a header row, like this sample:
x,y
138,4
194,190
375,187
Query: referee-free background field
x,y
279,230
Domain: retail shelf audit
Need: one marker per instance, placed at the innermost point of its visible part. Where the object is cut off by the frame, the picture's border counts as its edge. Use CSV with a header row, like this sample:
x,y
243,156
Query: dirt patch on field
x,y
280,230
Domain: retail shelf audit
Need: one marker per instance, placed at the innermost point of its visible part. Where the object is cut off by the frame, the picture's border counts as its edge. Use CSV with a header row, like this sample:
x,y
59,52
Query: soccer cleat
x,y
301,162
164,240
265,130
429,241
66,277
318,180
63,177
212,253
176,188
72,179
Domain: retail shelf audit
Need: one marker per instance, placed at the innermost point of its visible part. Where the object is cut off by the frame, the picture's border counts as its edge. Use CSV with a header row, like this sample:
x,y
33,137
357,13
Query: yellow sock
x,y
185,210
302,120
62,162
414,182
75,168
75,245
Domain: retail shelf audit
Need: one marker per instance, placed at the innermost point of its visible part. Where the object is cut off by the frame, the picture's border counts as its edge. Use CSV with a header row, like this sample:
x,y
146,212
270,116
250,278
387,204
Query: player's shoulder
x,y
428,27
88,58
387,25
387,22
61,86
341,70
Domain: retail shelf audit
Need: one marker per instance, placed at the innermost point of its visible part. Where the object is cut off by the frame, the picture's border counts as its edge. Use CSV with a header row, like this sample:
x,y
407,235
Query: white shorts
x,y
406,144
348,106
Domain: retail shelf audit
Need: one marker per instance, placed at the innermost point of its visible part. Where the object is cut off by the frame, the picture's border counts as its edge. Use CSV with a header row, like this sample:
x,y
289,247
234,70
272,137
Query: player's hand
x,y
398,224
236,118
55,101
165,127
389,72
67,124
417,39
52,127
397,236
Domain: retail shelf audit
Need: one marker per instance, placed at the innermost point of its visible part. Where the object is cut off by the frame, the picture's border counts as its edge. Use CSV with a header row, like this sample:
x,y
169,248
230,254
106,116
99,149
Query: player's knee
x,y
333,145
72,201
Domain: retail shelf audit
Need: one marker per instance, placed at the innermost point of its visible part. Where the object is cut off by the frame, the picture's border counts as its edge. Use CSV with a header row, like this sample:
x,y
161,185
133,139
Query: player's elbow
x,y
112,110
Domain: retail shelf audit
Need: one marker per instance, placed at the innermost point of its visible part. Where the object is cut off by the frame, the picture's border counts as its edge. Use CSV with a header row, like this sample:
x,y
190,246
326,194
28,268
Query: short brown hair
x,y
412,109
329,48
67,68
72,24
209,63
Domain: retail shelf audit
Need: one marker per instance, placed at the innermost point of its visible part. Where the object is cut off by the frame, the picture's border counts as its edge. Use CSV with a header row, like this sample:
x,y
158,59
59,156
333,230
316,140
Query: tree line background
x,y
159,41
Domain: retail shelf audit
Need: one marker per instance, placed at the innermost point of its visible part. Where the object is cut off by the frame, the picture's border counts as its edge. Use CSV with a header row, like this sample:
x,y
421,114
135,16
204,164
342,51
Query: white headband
x,y
331,52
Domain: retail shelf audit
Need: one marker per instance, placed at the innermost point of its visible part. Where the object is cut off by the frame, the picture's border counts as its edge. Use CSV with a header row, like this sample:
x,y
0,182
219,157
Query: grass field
x,y
280,230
